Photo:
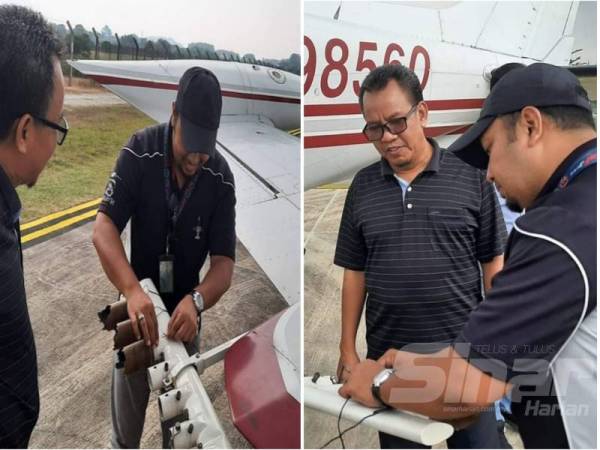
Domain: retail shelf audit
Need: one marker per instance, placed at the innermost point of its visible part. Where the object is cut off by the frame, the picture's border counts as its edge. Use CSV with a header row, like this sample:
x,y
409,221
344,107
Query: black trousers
x,y
485,433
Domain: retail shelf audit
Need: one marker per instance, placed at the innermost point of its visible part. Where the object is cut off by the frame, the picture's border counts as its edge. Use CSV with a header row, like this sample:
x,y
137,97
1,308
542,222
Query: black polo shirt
x,y
136,190
19,398
420,253
538,304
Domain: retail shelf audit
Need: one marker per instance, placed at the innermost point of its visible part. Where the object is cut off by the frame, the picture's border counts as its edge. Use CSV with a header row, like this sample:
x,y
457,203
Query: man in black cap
x,y
31,125
535,334
179,193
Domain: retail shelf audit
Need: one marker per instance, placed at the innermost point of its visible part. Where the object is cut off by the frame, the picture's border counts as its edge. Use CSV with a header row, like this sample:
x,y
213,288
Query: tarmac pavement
x,y
66,287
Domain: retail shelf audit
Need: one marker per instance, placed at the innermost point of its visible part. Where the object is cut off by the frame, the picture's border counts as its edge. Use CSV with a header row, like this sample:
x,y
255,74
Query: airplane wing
x,y
539,31
265,161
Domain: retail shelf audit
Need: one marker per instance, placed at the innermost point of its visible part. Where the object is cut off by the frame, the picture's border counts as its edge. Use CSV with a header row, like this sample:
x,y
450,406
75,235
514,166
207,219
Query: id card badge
x,y
165,274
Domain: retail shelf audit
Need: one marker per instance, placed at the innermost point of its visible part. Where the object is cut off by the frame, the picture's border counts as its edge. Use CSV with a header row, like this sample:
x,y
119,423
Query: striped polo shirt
x,y
420,252
19,398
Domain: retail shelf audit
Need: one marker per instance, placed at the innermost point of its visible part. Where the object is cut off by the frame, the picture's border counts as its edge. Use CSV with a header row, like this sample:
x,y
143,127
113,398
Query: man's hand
x,y
143,319
388,359
140,309
183,325
358,385
345,364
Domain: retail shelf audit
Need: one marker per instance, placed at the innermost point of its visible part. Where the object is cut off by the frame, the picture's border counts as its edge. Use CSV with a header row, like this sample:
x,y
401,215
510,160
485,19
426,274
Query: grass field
x,y
79,169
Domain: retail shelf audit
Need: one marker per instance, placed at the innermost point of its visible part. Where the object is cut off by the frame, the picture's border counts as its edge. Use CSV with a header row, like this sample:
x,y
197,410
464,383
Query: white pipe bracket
x,y
194,360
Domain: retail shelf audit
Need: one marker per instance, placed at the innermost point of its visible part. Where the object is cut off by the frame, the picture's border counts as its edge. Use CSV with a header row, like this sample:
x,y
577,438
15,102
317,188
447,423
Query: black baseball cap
x,y
539,84
199,106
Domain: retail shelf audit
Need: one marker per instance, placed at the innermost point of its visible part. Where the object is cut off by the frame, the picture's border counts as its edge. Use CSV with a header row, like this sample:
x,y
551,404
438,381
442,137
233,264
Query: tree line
x,y
104,44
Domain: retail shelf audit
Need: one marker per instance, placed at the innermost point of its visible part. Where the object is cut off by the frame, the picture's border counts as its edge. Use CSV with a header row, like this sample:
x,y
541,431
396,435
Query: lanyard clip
x,y
168,246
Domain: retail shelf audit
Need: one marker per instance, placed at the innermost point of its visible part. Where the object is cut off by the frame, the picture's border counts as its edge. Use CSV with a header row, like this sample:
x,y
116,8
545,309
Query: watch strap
x,y
377,382
376,391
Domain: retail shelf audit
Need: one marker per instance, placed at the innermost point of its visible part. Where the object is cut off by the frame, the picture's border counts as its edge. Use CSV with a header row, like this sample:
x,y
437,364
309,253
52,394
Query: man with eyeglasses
x,y
179,193
31,124
419,230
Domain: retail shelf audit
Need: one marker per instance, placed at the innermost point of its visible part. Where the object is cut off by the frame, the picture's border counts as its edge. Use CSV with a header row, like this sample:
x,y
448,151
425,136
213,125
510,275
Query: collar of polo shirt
x,y
13,204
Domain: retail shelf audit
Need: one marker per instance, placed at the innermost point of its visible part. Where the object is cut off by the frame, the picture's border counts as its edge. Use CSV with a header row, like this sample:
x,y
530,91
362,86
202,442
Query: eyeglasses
x,y
374,132
62,128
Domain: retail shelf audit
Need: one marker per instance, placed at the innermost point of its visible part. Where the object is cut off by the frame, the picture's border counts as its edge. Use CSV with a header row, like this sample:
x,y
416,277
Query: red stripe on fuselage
x,y
346,109
105,79
338,140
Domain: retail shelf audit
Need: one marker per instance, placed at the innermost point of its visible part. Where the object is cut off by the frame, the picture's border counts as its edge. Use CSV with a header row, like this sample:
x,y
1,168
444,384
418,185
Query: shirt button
x,y
409,188
409,206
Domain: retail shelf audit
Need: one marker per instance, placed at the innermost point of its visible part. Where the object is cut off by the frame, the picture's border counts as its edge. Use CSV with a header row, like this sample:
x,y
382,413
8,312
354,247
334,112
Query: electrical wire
x,y
339,423
341,433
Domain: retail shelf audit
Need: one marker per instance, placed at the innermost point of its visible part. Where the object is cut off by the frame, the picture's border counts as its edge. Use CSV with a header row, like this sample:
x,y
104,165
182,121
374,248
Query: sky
x,y
266,28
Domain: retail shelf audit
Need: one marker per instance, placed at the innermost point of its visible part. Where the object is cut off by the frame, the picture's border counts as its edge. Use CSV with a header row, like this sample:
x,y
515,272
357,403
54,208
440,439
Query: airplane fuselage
x,y
248,89
453,63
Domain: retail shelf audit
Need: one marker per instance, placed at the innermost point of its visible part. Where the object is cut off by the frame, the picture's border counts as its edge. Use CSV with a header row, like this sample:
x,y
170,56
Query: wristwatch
x,y
379,379
198,301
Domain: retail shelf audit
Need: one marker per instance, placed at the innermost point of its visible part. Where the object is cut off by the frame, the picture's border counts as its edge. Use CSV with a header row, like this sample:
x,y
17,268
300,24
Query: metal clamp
x,y
193,360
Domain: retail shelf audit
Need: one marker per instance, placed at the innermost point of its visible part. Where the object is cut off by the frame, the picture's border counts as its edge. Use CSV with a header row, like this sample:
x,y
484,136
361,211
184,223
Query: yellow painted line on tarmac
x,y
57,226
58,214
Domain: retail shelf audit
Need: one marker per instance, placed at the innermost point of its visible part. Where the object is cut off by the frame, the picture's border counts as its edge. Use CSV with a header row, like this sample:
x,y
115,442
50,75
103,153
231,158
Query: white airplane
x,y
262,368
451,46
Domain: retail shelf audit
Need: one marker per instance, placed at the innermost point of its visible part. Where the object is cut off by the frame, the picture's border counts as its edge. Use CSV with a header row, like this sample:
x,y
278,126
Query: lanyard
x,y
584,161
174,207
18,233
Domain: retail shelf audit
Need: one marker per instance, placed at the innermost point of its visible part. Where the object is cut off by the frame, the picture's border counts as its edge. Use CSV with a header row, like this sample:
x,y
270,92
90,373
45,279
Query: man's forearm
x,y
353,299
442,386
490,269
109,247
217,280
435,409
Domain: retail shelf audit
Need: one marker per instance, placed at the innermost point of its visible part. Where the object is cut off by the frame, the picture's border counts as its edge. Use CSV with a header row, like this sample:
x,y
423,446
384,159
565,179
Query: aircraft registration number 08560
x,y
393,50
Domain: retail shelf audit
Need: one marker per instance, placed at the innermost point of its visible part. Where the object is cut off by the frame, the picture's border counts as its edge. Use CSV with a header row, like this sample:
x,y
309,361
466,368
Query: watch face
x,y
198,300
382,376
